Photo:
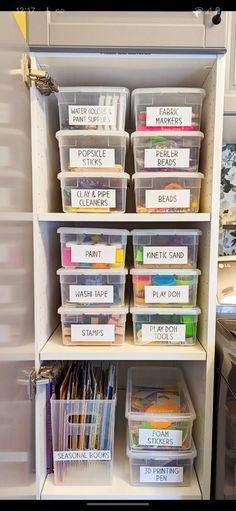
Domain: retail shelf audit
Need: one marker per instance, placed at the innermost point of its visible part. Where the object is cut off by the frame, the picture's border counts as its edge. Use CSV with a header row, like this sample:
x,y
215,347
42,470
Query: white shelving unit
x,y
197,363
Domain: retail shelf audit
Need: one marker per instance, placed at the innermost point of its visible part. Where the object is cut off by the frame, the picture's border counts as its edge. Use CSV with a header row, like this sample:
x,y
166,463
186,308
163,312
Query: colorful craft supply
x,y
93,328
164,288
93,193
94,248
167,192
165,248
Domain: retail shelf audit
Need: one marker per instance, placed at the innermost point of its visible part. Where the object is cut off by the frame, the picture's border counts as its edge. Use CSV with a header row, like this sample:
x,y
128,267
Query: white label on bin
x,y
163,333
160,437
93,254
165,255
6,294
92,115
167,199
161,474
91,294
82,455
83,157
166,158
93,333
166,294
169,116
5,333
93,198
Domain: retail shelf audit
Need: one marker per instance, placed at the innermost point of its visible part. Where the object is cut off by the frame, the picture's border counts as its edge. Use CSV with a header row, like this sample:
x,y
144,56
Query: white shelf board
x,y
55,350
121,489
16,217
17,353
124,217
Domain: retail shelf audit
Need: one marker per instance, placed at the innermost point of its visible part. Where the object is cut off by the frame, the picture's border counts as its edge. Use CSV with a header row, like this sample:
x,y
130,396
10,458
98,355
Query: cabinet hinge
x,y
42,79
36,379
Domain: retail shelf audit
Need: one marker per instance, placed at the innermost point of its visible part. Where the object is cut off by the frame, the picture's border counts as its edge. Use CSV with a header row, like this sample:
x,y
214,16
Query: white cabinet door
x,y
17,452
230,84
138,29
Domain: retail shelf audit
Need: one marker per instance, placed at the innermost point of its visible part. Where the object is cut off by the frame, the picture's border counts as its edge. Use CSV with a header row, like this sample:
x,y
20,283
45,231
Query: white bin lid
x,y
169,90
82,230
91,133
166,454
122,175
176,175
194,311
166,133
162,271
168,232
77,311
93,88
92,271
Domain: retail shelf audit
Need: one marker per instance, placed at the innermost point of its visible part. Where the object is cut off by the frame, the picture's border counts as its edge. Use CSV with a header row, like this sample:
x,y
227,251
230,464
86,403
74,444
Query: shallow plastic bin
x,y
165,248
165,326
14,325
77,462
97,108
93,327
92,247
173,108
165,288
167,192
92,288
93,150
88,192
159,409
160,468
170,151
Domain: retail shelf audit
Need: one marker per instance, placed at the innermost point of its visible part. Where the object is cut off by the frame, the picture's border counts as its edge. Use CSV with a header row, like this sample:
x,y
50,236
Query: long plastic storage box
x,y
92,247
77,462
93,327
165,248
165,326
167,108
102,151
92,288
170,151
167,192
97,108
160,468
159,409
87,192
165,288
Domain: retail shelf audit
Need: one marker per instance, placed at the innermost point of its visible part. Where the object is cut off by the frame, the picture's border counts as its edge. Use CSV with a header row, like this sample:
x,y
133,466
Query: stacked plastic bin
x,y
92,144
160,417
166,147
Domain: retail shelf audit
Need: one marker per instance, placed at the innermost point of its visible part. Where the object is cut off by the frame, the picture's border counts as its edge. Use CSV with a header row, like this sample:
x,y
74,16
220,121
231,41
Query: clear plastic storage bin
x,y
92,247
167,192
87,192
165,326
167,108
83,450
97,108
165,288
93,327
160,468
159,409
171,151
165,248
92,288
93,150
